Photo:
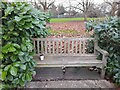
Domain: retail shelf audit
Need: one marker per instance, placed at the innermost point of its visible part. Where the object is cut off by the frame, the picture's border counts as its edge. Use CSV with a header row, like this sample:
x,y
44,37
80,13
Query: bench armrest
x,y
103,52
104,55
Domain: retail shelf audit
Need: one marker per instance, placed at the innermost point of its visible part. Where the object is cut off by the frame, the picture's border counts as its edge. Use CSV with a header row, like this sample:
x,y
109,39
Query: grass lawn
x,y
69,19
63,32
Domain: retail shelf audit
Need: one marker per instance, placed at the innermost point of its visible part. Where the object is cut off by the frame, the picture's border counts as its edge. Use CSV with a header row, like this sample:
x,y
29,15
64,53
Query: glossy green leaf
x,y
10,77
24,48
8,10
1,56
23,67
17,18
17,64
13,58
13,71
16,81
28,77
7,68
11,49
3,76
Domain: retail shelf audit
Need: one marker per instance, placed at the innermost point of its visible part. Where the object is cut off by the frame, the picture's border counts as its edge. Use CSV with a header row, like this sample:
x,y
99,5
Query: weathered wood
x,y
59,39
104,60
42,47
72,47
38,47
69,61
84,47
53,47
49,50
80,47
105,53
45,47
34,46
56,47
104,56
61,46
68,47
65,46
64,52
76,47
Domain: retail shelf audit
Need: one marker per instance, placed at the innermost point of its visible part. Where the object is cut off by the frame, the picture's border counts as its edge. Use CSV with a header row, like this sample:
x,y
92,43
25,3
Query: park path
x,y
72,84
73,78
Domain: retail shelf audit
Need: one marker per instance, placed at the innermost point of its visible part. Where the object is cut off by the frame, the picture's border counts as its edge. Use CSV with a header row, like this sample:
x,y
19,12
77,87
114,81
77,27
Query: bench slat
x,y
68,61
60,46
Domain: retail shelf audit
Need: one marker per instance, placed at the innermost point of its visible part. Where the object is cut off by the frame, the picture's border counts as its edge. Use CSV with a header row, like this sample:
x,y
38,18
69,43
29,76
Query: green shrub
x,y
20,23
108,32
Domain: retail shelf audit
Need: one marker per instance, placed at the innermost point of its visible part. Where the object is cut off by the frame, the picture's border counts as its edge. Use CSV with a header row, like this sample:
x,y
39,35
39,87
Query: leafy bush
x,y
108,32
20,23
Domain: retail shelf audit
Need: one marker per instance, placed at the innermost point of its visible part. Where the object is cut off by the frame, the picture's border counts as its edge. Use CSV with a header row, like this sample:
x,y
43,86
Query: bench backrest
x,y
61,46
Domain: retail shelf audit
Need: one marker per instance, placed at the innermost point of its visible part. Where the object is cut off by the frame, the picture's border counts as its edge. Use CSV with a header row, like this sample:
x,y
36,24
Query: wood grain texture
x,y
64,47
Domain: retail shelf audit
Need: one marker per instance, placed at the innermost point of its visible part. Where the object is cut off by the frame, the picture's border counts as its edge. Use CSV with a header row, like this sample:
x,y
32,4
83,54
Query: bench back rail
x,y
61,46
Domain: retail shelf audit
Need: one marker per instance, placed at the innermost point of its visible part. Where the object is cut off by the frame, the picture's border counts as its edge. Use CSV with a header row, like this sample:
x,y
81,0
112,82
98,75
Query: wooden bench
x,y
68,52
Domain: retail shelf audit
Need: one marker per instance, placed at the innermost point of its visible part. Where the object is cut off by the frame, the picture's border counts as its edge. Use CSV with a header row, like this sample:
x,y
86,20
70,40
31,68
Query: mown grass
x,y
68,19
63,32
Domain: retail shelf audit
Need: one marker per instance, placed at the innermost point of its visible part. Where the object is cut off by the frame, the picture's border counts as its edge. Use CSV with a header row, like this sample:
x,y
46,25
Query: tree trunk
x,y
114,8
85,16
118,13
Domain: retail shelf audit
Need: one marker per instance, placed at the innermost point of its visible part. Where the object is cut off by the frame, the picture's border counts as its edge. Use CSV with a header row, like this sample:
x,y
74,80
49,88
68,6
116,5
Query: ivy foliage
x,y
20,23
108,32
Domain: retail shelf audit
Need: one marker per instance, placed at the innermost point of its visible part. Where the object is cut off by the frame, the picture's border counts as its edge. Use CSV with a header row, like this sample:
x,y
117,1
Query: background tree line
x,y
83,8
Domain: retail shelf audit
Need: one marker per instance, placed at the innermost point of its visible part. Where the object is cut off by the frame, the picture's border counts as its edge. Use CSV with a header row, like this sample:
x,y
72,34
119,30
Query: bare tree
x,y
115,6
118,10
118,4
53,11
84,5
44,4
61,9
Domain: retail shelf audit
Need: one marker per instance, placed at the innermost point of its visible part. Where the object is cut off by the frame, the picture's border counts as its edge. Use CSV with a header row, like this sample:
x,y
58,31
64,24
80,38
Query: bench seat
x,y
68,61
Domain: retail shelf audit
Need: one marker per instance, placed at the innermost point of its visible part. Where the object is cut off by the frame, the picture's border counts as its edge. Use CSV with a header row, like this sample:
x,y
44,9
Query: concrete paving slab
x,y
48,74
81,73
44,74
71,84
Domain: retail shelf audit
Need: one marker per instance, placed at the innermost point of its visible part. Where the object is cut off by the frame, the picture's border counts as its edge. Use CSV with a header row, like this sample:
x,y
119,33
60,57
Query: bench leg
x,y
63,70
102,72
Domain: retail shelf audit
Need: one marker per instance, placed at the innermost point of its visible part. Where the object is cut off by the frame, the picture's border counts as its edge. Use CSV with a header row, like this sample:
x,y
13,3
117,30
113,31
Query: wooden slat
x,y
68,47
70,61
59,39
72,47
61,47
76,47
84,47
64,46
56,47
53,47
45,47
42,47
80,47
67,54
38,47
49,50
34,46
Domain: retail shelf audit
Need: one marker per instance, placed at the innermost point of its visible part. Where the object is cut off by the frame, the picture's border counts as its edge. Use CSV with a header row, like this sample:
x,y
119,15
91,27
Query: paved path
x,y
73,78
71,74
71,84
